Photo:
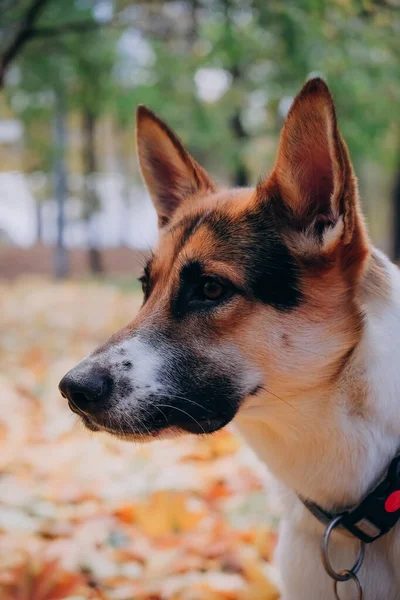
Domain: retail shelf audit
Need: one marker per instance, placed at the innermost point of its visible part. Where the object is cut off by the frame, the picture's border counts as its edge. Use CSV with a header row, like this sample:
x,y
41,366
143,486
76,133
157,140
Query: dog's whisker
x,y
308,351
162,412
185,413
184,398
282,400
141,423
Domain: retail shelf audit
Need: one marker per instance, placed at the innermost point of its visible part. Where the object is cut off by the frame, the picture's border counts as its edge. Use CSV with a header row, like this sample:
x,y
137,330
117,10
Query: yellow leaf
x,y
265,543
167,512
260,587
214,446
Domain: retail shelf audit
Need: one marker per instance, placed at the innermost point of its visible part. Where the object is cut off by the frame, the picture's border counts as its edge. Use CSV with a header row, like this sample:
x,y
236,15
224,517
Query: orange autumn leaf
x,y
34,360
216,586
167,512
257,591
206,592
217,490
265,543
126,513
260,586
221,443
35,581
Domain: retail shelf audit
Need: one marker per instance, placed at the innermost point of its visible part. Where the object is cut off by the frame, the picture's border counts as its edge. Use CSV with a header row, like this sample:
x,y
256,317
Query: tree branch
x,y
23,35
73,27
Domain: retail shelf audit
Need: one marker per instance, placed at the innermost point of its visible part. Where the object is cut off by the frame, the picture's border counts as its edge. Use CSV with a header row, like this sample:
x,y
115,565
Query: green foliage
x,y
76,64
357,51
265,49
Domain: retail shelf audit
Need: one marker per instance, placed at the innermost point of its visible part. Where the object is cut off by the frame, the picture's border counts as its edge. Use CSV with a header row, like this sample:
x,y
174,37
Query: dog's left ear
x,y
313,182
169,172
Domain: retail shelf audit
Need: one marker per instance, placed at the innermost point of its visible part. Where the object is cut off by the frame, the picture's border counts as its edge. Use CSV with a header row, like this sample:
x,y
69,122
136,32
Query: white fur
x,y
147,362
334,458
332,235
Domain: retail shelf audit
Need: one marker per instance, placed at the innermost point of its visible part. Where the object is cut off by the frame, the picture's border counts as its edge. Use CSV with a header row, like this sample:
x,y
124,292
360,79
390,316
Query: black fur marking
x,y
253,242
189,225
123,387
215,390
273,274
208,397
189,296
145,279
190,275
191,272
186,227
256,390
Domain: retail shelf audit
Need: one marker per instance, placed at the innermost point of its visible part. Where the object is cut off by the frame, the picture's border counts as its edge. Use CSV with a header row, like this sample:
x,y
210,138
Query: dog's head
x,y
249,294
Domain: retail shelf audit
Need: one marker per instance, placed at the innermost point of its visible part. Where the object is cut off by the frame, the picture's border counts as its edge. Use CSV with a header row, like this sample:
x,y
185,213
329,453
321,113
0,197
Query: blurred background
x,y
223,73
85,516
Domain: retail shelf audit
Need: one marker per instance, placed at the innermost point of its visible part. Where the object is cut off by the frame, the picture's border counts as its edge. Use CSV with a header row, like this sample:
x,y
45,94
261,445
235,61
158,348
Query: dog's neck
x,y
332,450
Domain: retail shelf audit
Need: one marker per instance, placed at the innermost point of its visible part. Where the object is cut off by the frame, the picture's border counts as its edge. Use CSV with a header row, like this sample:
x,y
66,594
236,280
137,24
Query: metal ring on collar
x,y
341,575
349,575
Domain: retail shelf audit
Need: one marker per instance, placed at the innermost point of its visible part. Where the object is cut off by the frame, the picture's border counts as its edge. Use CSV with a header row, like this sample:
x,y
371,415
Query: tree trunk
x,y
39,223
60,184
124,161
240,176
193,31
396,216
90,193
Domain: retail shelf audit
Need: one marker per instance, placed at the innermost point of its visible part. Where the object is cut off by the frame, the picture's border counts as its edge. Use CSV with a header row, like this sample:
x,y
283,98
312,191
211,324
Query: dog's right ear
x,y
169,172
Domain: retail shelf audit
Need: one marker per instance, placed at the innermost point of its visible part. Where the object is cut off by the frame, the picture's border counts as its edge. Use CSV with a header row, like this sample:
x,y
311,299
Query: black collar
x,y
375,515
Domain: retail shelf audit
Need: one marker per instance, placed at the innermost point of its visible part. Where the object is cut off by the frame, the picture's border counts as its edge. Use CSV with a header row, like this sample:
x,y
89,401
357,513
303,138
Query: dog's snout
x,y
88,390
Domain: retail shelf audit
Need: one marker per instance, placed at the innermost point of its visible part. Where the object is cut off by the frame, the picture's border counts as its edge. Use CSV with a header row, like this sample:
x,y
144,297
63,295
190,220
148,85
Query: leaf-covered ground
x,y
84,516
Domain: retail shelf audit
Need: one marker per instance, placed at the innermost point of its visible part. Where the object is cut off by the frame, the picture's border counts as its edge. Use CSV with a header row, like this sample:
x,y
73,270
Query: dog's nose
x,y
87,390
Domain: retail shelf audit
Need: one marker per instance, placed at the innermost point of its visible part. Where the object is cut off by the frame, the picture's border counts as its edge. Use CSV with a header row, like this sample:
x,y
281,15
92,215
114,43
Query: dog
x,y
268,307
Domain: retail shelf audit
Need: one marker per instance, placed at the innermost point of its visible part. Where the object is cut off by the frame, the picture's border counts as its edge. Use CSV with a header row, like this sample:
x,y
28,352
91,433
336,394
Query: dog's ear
x,y
168,170
313,182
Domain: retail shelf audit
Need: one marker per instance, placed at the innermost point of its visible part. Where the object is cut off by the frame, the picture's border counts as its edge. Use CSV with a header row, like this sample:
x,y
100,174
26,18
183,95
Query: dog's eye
x,y
212,290
144,283
206,293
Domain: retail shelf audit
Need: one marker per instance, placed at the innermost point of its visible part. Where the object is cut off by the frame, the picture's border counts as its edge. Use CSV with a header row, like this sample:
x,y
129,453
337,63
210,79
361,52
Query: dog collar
x,y
375,515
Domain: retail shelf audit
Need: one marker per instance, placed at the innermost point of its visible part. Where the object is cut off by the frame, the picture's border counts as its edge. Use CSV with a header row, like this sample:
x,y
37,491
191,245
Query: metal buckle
x,y
356,581
344,575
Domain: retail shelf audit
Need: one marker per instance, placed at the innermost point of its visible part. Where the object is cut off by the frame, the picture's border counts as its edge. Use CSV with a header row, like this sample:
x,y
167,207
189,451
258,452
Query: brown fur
x,y
162,154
